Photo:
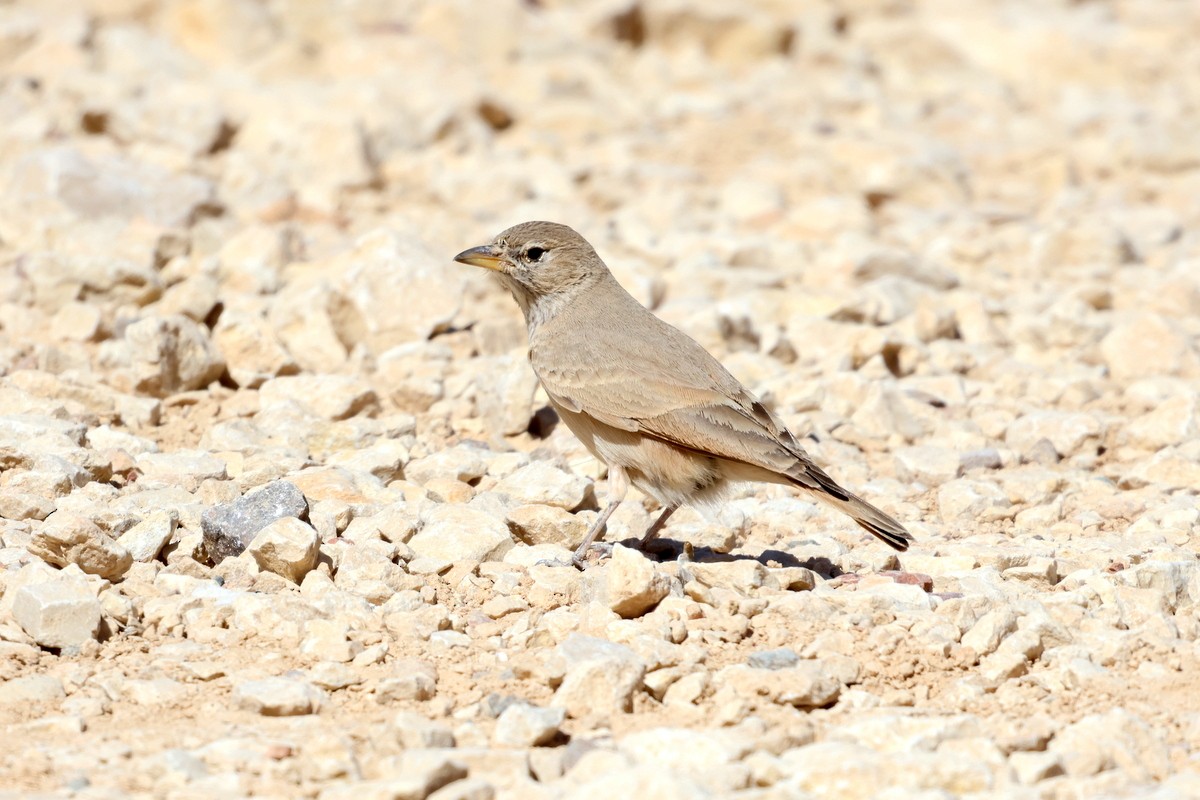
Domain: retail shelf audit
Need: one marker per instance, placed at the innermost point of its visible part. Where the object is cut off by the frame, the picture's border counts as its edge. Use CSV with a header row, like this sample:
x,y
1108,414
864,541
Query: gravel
x,y
281,501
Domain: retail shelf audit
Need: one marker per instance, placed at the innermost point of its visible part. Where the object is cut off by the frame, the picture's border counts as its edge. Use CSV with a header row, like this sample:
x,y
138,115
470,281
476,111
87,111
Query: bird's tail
x,y
872,520
811,477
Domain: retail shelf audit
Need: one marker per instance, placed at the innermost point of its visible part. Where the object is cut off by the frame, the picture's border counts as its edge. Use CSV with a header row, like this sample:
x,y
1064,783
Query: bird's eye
x,y
534,254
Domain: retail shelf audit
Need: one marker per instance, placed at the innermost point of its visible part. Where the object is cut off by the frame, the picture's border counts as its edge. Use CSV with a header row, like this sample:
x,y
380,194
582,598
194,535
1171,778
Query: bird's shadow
x,y
663,550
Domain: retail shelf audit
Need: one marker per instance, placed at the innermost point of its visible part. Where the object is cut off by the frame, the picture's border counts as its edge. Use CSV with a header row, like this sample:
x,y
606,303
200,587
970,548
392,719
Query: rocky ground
x,y
954,243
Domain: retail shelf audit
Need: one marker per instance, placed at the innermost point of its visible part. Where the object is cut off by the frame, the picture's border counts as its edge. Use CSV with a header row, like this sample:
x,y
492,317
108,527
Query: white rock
x,y
1032,767
329,640
26,690
460,463
1174,421
930,465
809,684
690,752
971,501
414,730
251,350
185,468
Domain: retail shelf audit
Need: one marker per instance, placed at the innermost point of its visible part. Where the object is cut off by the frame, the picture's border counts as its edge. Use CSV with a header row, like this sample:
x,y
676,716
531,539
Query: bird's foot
x,y
579,559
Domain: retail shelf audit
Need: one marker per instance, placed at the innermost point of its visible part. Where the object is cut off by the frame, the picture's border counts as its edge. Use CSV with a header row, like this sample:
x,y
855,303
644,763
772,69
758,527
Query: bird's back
x,y
607,342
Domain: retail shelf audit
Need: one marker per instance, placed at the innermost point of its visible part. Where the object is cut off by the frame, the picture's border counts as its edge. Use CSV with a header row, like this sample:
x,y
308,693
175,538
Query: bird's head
x,y
539,262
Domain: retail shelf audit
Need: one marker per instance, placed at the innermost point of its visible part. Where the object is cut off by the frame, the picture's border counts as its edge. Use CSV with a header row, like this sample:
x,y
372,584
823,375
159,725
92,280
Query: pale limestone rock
x,y
461,463
253,354
987,633
58,613
1173,422
1146,345
287,547
1068,432
808,684
27,690
72,539
543,483
332,397
329,640
741,575
932,466
458,533
1036,766
505,394
968,501
597,676
1116,739
414,730
524,725
632,585
147,538
384,266
168,355
185,468
536,524
279,697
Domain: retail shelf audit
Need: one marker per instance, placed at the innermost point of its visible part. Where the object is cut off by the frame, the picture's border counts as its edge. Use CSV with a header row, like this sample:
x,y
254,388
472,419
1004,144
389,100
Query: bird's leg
x,y
657,527
618,485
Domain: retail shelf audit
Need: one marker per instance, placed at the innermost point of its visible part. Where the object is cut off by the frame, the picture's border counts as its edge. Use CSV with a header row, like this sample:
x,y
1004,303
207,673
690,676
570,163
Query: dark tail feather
x,y
878,523
866,515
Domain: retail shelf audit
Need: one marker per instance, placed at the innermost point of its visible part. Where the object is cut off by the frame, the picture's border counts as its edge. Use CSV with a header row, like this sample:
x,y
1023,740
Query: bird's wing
x,y
674,391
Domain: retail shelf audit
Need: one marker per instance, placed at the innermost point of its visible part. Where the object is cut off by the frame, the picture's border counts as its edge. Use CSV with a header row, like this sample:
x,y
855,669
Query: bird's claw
x,y
579,558
555,562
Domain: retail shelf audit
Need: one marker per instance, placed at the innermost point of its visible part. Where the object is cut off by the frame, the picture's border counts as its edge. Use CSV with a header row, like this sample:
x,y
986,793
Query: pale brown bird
x,y
643,397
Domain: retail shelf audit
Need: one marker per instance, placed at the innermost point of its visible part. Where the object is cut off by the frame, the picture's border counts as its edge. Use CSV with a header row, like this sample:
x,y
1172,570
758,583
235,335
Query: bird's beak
x,y
486,256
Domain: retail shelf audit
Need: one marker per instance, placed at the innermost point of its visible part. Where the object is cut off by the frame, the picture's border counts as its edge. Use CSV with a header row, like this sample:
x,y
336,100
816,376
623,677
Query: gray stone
x,y
229,529
782,658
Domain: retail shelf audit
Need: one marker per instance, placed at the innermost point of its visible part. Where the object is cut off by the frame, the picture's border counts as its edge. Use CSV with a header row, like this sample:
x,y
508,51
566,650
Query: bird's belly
x,y
667,473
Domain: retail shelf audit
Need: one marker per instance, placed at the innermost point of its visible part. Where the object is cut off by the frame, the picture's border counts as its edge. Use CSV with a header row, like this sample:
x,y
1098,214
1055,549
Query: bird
x,y
648,401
